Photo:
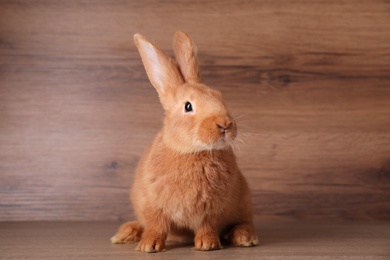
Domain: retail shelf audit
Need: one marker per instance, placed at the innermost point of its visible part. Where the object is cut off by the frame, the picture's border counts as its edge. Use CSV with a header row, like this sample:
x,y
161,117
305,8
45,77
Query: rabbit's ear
x,y
162,71
185,52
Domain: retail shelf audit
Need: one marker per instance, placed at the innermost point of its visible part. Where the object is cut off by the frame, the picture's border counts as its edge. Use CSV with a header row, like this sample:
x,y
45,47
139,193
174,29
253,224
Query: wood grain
x,y
309,83
279,240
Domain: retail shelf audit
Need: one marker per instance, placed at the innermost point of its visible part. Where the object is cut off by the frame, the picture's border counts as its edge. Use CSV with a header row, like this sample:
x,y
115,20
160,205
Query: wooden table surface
x,y
279,240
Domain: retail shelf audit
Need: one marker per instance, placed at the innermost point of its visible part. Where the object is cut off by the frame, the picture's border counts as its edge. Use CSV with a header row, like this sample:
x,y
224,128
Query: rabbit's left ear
x,y
185,52
162,71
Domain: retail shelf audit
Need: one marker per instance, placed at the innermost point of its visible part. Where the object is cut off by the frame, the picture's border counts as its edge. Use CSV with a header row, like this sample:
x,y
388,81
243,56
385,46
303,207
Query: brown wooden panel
x,y
309,82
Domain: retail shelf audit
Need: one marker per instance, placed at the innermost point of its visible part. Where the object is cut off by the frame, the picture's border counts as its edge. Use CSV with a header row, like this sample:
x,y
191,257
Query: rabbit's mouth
x,y
220,141
225,140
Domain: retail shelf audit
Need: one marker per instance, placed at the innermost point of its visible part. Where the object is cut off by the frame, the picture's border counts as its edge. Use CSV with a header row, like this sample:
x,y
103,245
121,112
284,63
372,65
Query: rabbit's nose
x,y
223,128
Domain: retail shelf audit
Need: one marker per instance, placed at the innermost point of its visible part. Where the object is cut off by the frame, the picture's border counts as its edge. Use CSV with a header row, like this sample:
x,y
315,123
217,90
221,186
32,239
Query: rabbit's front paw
x,y
151,243
206,242
243,235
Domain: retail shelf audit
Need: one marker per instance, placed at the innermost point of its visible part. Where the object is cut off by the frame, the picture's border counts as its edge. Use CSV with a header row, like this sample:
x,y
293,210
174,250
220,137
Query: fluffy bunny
x,y
187,183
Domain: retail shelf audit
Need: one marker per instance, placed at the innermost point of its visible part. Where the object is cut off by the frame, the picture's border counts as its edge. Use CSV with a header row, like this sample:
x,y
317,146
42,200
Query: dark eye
x,y
188,107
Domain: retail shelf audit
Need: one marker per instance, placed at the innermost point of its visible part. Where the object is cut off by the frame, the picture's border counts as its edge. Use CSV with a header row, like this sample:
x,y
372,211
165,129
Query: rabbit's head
x,y
196,117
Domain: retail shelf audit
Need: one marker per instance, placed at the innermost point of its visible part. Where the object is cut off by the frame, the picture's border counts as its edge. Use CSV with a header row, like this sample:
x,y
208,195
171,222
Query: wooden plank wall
x,y
309,82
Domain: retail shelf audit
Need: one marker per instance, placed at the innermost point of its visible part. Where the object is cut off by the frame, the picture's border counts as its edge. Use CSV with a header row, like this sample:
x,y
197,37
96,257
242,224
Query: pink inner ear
x,y
154,66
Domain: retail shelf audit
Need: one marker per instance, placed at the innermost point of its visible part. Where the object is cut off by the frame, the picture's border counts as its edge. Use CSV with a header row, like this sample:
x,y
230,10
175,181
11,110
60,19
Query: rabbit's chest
x,y
187,194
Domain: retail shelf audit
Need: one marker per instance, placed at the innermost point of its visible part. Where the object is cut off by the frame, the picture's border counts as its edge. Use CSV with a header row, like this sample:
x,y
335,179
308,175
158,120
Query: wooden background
x,y
309,82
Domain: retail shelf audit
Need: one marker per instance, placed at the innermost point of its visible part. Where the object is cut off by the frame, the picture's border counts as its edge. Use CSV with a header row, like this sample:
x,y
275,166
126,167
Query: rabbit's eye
x,y
188,107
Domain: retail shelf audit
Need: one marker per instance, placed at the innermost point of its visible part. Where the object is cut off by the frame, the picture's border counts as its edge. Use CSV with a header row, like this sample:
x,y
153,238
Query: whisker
x,y
240,116
236,146
239,139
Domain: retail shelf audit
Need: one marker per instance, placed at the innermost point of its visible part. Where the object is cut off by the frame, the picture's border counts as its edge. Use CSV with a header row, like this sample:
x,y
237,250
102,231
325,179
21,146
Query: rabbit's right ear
x,y
185,52
163,72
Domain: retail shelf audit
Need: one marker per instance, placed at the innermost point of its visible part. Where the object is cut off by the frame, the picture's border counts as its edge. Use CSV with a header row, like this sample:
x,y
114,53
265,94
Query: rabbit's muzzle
x,y
218,131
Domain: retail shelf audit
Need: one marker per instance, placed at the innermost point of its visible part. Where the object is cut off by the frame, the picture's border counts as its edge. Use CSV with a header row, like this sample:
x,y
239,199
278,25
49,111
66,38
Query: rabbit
x,y
187,183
